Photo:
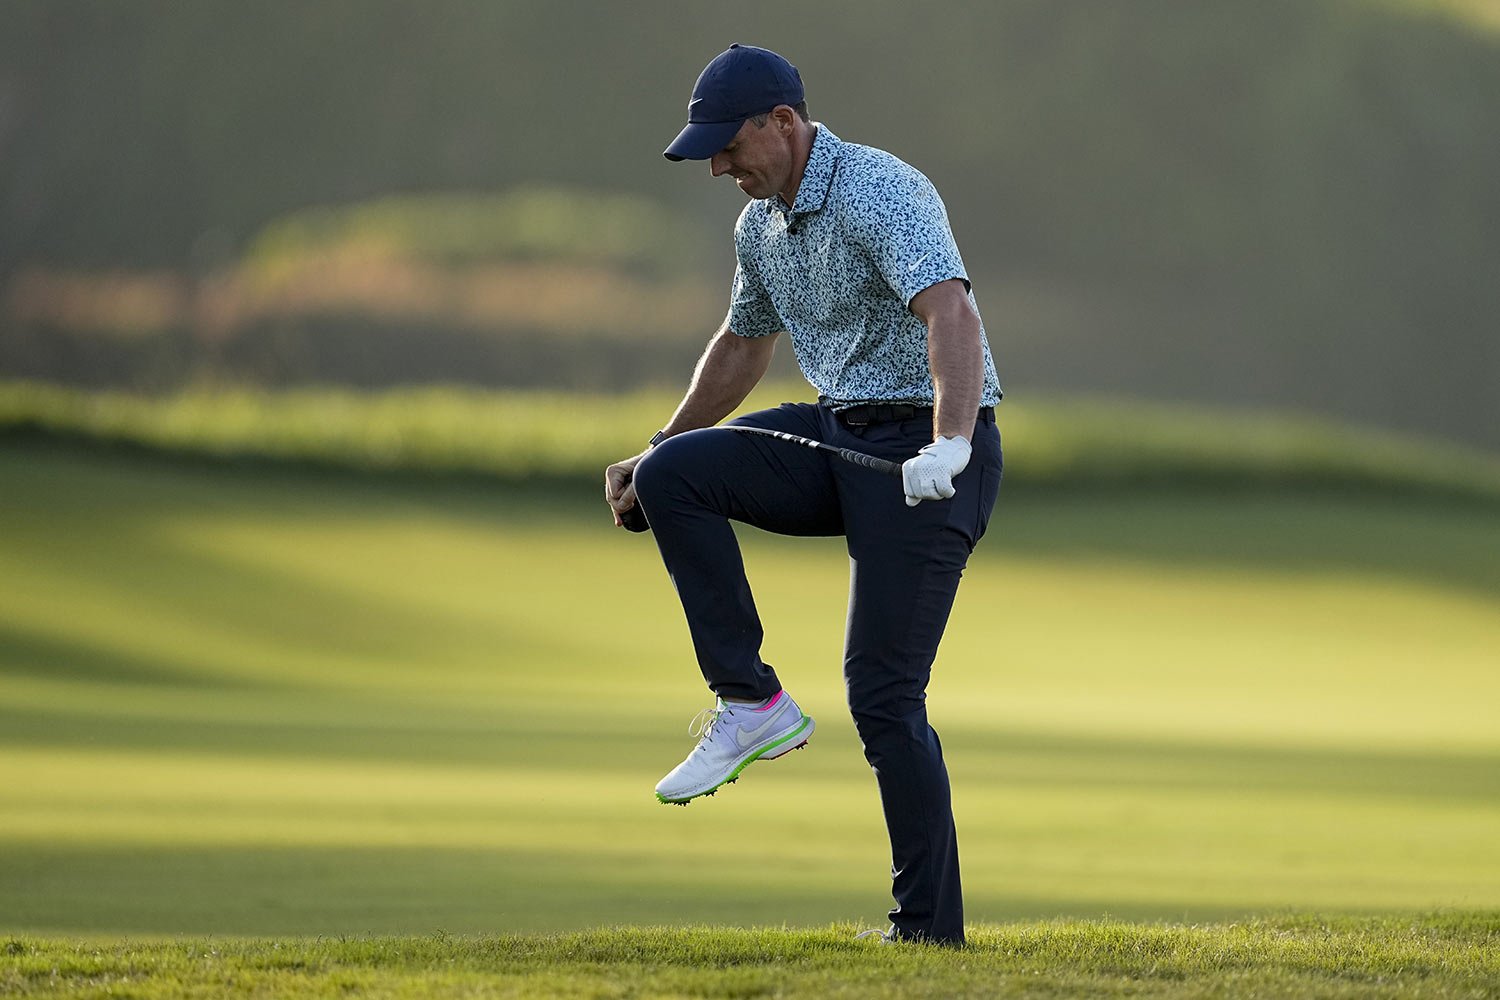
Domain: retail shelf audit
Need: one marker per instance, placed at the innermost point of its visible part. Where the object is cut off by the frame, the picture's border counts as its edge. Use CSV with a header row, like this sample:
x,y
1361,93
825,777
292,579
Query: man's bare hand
x,y
619,487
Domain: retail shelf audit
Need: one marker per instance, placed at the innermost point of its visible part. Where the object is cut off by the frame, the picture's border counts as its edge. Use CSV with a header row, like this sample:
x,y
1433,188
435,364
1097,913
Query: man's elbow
x,y
946,305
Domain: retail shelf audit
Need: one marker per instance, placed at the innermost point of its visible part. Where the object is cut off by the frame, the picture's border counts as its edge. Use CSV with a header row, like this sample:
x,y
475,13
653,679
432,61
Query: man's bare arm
x,y
730,367
954,355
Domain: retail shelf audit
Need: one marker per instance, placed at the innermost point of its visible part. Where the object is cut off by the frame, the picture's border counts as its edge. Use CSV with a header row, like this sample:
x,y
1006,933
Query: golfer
x,y
847,250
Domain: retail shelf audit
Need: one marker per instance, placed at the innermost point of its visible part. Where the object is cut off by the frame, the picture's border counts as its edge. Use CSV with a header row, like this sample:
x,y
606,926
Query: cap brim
x,y
701,140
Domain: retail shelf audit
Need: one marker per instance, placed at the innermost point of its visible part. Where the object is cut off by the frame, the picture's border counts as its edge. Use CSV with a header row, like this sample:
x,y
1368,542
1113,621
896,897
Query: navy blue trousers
x,y
905,564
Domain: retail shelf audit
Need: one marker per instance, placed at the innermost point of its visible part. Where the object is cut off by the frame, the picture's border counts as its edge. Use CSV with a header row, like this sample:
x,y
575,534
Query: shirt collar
x,y
812,192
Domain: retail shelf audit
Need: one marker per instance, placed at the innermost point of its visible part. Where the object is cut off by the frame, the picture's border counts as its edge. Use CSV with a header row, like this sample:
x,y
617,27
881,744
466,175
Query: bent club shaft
x,y
847,454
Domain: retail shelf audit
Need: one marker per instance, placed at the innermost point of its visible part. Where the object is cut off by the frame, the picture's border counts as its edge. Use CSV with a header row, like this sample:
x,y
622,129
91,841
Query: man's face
x,y
759,159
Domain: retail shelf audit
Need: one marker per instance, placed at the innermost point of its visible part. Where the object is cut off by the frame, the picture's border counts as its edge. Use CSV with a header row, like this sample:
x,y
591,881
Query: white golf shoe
x,y
731,736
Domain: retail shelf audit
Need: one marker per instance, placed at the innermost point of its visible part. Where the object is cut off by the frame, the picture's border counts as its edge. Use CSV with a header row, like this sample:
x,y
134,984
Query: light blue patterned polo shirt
x,y
837,272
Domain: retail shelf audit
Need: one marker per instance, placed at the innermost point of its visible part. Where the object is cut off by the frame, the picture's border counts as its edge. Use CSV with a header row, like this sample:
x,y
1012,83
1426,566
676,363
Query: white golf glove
x,y
929,474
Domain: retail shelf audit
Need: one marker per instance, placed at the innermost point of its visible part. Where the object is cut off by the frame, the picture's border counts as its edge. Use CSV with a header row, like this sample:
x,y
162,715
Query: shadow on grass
x,y
284,891
1443,540
26,653
1452,545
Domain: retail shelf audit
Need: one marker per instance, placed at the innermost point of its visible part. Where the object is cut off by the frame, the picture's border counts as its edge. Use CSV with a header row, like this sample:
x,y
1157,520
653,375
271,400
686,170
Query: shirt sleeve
x,y
751,311
902,224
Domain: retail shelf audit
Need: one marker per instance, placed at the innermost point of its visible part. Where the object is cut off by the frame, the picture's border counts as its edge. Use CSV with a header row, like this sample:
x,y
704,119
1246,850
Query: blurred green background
x,y
319,321
1285,202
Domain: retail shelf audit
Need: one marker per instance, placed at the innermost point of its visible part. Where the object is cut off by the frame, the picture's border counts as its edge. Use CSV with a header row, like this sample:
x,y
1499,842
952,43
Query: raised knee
x,y
662,466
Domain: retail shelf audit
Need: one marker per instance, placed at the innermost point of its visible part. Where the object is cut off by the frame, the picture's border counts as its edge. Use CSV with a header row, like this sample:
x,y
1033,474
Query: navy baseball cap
x,y
742,81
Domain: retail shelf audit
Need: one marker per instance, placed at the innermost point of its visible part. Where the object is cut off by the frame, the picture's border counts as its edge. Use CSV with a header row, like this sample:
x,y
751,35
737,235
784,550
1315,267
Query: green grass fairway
x,y
265,702
1302,958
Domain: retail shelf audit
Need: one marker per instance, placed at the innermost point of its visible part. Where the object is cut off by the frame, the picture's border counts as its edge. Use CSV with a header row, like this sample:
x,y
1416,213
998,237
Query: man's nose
x,y
718,163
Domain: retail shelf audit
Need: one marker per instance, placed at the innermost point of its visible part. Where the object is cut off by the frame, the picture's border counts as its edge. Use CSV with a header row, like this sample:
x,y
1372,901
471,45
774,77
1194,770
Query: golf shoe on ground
x,y
730,737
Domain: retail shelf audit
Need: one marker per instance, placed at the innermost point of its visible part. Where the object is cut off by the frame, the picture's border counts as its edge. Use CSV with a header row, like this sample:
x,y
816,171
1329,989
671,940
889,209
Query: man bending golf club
x,y
848,250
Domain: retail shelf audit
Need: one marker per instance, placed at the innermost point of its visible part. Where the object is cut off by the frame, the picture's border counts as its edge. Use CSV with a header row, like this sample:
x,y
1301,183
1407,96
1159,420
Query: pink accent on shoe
x,y
772,703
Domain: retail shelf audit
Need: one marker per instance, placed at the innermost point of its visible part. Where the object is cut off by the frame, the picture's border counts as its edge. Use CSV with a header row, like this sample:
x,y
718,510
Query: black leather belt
x,y
884,413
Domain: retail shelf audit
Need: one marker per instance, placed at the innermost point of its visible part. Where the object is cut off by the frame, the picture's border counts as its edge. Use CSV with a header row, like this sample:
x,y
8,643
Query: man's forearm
x,y
955,356
957,363
730,367
728,370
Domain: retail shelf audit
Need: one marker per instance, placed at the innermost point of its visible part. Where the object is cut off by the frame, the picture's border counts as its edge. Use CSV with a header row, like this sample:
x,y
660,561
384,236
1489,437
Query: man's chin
x,y
749,189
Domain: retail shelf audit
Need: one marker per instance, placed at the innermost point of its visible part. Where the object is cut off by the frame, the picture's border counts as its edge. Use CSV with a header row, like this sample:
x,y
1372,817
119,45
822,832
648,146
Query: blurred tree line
x,y
1288,202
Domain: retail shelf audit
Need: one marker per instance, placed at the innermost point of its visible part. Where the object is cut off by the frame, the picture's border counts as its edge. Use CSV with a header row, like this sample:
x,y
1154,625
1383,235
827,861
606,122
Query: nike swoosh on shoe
x,y
745,737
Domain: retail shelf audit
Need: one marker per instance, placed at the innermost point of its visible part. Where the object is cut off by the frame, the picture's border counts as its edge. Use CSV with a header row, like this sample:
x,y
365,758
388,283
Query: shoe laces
x,y
703,723
885,937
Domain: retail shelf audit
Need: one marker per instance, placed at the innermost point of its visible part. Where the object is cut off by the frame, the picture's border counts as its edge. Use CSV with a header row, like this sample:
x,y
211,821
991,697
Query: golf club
x,y
849,455
634,519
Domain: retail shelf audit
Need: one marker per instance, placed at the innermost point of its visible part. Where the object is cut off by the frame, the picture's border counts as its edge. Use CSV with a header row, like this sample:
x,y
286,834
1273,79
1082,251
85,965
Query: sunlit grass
x,y
1483,13
1436,955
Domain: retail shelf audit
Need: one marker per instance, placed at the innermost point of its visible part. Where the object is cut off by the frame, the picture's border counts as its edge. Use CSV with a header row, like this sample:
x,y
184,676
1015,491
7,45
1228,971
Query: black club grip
x,y
871,462
634,519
